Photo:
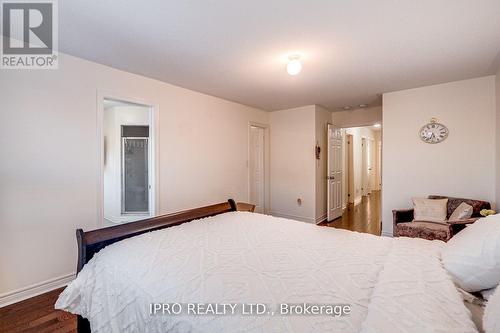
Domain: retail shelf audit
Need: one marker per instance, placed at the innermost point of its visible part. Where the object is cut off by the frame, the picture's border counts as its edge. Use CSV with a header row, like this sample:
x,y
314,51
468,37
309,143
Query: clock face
x,y
433,133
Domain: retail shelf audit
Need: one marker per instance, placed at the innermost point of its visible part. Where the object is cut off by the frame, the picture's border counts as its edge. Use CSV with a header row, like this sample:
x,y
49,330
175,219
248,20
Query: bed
x,y
228,255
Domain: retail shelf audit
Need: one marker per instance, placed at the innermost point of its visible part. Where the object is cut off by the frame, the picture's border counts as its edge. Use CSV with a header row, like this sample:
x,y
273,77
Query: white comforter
x,y
392,285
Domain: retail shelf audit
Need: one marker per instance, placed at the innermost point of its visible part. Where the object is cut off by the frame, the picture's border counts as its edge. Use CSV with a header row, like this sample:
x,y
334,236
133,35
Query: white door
x,y
256,168
369,166
334,173
364,167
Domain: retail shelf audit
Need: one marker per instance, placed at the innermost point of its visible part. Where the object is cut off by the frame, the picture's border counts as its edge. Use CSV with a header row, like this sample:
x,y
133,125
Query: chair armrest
x,y
399,216
402,215
467,221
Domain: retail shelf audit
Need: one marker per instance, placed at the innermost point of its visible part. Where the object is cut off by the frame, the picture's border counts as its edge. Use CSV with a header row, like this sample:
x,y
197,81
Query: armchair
x,y
403,224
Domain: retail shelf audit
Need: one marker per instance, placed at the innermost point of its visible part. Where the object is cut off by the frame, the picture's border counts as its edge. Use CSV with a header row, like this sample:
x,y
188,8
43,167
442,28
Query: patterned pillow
x,y
429,210
462,212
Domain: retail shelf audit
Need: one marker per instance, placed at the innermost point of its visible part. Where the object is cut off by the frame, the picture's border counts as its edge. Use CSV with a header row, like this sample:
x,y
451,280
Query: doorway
x,y
258,167
128,161
363,148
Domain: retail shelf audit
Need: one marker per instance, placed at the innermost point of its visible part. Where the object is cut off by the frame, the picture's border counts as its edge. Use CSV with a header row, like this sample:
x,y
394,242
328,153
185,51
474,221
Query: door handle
x,y
330,177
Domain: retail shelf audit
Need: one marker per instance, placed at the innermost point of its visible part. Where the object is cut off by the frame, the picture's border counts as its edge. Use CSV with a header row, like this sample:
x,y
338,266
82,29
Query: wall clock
x,y
433,132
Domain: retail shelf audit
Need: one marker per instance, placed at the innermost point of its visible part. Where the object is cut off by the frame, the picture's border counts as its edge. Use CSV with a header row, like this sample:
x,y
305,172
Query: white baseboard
x,y
294,217
35,290
386,233
321,218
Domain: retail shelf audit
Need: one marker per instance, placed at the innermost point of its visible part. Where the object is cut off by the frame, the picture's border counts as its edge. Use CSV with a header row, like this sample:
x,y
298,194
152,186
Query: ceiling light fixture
x,y
363,105
346,108
377,125
294,65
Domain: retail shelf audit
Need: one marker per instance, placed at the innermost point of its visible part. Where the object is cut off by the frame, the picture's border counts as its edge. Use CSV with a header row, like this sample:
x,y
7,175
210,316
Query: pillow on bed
x,y
487,293
472,257
429,210
491,321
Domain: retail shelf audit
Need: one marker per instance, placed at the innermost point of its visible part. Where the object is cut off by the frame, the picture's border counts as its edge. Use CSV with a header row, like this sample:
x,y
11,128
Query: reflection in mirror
x,y
127,162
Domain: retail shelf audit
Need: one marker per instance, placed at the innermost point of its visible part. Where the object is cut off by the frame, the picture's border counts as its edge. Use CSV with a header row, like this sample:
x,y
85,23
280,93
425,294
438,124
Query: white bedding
x,y
392,285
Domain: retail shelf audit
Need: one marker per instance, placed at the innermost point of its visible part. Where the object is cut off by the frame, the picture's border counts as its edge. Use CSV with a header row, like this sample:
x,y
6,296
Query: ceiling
x,y
352,50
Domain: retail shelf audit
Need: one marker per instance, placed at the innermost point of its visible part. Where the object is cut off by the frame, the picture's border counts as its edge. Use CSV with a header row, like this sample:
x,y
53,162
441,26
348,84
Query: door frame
x,y
154,112
350,169
364,166
267,157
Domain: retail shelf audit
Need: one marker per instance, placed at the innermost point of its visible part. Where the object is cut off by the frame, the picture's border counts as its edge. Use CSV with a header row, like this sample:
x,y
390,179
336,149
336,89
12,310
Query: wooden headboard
x,y
91,242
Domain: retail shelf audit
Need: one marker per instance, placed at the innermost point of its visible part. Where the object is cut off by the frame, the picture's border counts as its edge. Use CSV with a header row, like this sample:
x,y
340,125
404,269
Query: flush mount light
x,y
294,65
346,108
377,125
363,105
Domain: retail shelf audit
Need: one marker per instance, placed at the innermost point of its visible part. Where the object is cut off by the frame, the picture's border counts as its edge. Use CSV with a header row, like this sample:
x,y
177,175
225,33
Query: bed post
x,y
82,324
82,249
233,205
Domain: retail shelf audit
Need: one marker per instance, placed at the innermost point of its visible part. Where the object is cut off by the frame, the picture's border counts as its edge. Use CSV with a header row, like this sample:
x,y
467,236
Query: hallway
x,y
365,217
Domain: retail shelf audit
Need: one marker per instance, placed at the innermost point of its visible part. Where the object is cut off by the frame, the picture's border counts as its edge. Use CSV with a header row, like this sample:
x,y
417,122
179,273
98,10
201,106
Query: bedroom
x,y
211,70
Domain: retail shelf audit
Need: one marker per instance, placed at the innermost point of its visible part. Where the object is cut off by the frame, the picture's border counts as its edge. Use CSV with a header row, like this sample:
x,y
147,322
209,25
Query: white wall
x,y
358,117
295,171
49,180
114,118
463,165
293,163
323,117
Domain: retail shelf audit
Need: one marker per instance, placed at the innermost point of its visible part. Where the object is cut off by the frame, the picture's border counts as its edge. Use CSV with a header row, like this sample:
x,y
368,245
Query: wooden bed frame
x,y
90,242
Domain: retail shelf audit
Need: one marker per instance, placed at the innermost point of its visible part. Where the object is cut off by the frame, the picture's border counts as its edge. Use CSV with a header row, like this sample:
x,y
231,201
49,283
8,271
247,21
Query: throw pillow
x,y
429,210
462,212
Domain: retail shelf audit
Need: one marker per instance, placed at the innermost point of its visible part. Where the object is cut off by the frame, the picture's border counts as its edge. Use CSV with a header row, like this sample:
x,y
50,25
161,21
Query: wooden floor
x,y
364,217
37,314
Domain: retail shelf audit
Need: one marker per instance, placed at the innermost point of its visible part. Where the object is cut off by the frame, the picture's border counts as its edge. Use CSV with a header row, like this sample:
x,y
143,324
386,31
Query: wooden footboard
x,y
91,242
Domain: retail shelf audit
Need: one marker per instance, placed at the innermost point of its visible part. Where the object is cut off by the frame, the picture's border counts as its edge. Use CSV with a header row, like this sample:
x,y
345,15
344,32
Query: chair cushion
x,y
426,230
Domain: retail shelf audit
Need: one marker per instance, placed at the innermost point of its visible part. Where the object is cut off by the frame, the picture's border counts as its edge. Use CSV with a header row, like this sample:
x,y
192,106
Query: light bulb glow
x,y
294,66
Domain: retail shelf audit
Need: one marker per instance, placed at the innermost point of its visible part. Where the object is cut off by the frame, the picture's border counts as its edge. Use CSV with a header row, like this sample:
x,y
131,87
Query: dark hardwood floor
x,y
365,217
37,314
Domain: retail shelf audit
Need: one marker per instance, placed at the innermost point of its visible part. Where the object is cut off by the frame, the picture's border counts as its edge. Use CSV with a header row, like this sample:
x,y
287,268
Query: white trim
x,y
386,233
267,169
321,218
35,289
125,218
154,117
294,217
